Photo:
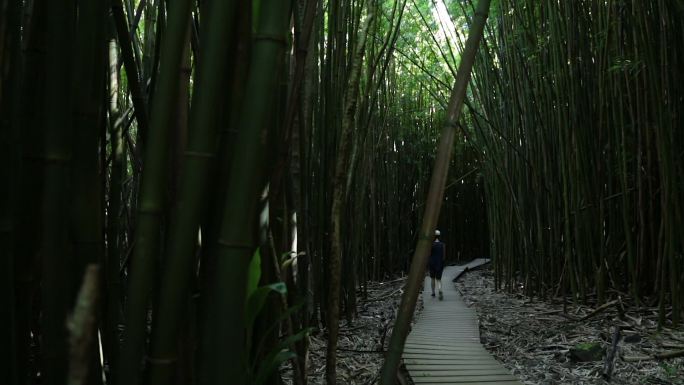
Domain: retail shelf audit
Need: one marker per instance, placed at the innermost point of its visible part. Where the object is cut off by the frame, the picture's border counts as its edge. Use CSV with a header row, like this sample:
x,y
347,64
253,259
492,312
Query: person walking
x,y
436,264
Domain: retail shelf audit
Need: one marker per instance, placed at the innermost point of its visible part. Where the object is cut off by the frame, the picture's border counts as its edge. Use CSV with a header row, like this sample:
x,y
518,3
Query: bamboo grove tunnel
x,y
195,183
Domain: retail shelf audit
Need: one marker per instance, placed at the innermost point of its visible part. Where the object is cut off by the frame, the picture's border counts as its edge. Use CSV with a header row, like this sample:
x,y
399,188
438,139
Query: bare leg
x,y
439,287
432,282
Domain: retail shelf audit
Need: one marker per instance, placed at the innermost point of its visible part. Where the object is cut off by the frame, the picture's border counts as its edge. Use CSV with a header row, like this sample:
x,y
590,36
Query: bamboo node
x,y
234,245
149,210
48,158
273,37
161,361
199,154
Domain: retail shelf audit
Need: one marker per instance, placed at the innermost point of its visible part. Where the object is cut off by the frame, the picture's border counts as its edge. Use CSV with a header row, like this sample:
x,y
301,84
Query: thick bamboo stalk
x,y
27,213
88,118
151,201
10,81
56,277
192,193
236,241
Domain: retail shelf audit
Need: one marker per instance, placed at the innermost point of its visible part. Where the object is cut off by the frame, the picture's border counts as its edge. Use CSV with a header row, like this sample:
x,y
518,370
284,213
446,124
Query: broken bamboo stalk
x,y
609,363
668,355
83,326
599,309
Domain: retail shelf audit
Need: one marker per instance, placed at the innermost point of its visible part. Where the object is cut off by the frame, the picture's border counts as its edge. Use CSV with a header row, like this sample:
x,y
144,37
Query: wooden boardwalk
x,y
444,345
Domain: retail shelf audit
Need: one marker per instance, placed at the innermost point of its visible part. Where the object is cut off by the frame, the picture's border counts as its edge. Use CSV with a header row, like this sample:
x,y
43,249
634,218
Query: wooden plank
x,y
441,354
459,372
437,329
473,332
452,340
455,382
460,379
419,371
458,366
450,361
448,348
472,349
444,345
444,323
454,336
456,347
427,357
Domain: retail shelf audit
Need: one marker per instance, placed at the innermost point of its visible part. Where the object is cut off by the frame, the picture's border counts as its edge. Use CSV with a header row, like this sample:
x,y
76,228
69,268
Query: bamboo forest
x,y
267,192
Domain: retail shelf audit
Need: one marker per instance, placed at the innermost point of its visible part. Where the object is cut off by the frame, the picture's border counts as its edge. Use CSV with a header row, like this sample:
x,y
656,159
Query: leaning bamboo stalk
x,y
434,198
127,51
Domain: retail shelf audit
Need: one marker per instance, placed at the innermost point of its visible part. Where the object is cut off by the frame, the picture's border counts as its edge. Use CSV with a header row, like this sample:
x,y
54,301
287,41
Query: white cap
x,y
437,233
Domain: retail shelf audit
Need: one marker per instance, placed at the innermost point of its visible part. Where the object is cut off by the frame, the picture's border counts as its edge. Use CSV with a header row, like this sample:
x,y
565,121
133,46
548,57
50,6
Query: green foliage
x,y
254,273
277,356
257,299
259,370
669,369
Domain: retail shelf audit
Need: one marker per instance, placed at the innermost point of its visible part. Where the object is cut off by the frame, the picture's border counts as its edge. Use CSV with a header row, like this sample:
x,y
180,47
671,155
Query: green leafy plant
x,y
670,370
259,371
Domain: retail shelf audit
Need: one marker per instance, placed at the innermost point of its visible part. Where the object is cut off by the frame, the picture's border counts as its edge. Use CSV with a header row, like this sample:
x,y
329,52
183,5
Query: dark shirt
x,y
437,255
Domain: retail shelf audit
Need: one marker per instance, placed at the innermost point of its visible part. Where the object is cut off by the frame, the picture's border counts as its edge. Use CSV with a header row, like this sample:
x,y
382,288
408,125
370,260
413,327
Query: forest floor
x,y
363,342
536,339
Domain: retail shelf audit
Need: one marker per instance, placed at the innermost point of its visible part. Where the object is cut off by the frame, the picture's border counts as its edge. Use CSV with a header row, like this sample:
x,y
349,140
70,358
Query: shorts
x,y
436,273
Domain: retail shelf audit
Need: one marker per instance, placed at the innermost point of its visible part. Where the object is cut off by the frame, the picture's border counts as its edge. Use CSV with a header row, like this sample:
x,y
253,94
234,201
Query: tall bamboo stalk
x,y
56,277
151,204
88,118
584,235
10,76
192,192
114,218
27,213
339,195
236,241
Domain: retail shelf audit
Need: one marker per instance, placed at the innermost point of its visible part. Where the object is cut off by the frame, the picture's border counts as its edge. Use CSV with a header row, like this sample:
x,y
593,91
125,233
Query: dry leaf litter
x,y
362,342
536,339
531,337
